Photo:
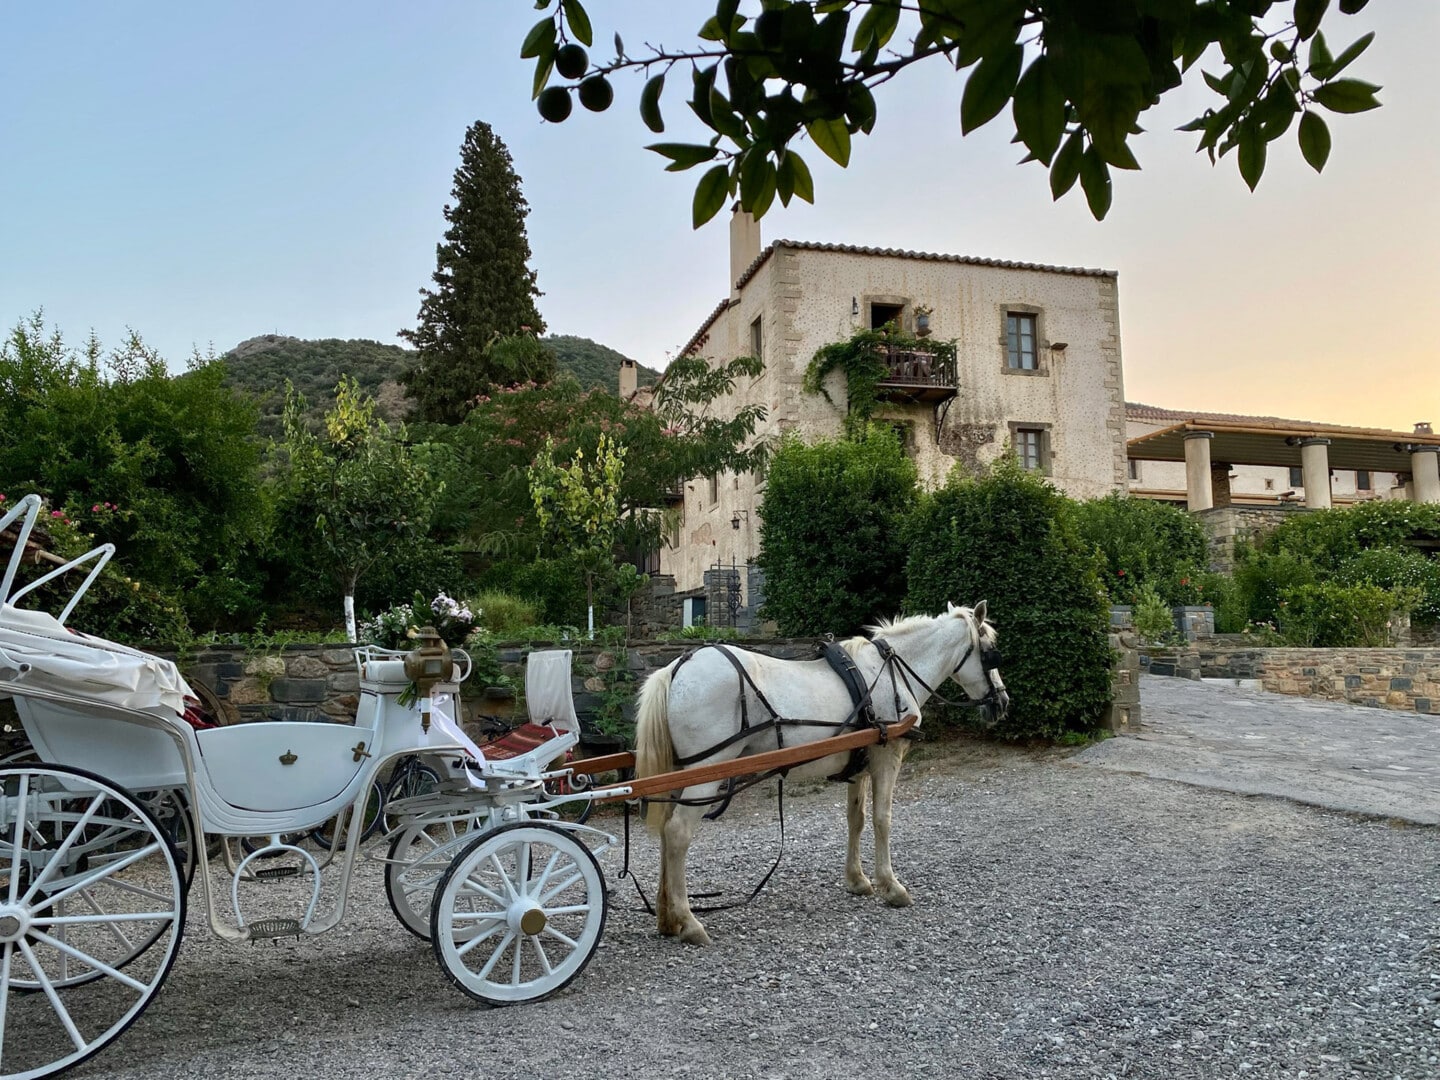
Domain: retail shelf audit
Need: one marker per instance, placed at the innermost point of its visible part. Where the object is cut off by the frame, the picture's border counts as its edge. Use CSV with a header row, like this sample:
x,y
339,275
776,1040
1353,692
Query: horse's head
x,y
978,671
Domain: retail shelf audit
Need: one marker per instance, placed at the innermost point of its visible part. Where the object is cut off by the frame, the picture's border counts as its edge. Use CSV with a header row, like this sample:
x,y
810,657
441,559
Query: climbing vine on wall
x,y
863,359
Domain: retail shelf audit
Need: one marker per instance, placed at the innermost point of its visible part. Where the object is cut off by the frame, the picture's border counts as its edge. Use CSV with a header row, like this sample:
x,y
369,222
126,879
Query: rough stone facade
x,y
1404,679
1225,526
795,298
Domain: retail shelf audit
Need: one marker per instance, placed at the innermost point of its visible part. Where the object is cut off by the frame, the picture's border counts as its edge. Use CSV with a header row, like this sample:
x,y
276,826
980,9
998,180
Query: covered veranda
x,y
1209,448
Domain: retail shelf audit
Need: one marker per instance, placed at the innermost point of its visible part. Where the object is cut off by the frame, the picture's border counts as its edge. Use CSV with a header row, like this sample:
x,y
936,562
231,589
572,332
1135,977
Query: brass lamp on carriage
x,y
426,665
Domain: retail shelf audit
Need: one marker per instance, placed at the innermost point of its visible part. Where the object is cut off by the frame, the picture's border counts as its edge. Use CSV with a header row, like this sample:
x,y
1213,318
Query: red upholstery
x,y
517,741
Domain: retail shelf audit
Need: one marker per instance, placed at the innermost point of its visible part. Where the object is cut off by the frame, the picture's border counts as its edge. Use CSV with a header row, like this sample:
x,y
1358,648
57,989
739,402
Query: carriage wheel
x,y
92,908
419,855
519,913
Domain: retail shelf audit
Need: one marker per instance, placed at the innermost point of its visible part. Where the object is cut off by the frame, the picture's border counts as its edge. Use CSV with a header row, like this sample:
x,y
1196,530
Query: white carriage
x,y
101,838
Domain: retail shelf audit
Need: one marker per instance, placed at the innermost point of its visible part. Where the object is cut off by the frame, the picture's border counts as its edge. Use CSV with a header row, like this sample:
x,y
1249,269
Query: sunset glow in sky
x,y
207,172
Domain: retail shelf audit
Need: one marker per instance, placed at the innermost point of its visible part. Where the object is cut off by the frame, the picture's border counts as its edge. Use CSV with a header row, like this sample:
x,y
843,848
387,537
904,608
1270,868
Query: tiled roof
x,y
923,256
851,249
1134,410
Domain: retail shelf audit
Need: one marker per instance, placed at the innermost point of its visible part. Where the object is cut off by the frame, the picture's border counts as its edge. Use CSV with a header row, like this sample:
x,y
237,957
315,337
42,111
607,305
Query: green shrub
x,y
1152,616
1331,615
1144,543
1261,579
1219,591
505,615
1009,538
831,541
1398,568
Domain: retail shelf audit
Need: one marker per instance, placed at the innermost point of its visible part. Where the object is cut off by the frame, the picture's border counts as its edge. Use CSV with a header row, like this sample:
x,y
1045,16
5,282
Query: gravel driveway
x,y
1068,922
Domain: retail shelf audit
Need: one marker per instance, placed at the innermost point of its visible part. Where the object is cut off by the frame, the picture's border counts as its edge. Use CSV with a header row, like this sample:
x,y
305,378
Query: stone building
x,y
1036,366
1204,460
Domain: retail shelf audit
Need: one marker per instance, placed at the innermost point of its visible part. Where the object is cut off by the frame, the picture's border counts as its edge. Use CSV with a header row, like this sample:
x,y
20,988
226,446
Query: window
x,y
757,338
1030,447
1134,469
1020,341
1297,476
714,489
1269,484
1362,480
883,314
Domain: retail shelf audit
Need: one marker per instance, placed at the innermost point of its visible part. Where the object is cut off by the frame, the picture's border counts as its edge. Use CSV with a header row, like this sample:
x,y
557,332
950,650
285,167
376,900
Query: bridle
x,y
990,660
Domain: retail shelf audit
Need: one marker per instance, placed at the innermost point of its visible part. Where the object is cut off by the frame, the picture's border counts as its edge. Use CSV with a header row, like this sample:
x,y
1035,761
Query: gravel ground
x,y
1068,922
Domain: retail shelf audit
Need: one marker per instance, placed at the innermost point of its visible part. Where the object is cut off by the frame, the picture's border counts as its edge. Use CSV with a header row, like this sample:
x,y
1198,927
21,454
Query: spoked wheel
x,y
518,914
415,782
324,835
419,855
92,908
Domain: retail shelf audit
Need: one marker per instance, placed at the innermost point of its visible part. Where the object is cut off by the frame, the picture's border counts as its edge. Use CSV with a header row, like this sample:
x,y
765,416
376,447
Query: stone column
x,y
1198,493
1425,469
1315,460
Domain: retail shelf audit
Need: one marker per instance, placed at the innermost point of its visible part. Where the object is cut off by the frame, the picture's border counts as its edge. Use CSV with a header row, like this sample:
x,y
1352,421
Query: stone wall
x,y
1403,679
321,683
1226,525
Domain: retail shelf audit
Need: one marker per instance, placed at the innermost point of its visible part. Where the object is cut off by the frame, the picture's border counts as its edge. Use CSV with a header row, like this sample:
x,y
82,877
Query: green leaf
x,y
1095,180
1347,96
1308,14
683,155
650,103
877,25
1066,169
802,182
579,21
1314,140
860,107
1252,154
1350,7
833,138
541,33
989,87
702,79
1320,58
710,194
1348,56
543,67
1039,110
758,183
723,118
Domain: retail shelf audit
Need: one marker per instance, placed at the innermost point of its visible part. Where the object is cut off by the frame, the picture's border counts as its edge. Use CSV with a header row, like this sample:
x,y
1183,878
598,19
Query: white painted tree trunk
x,y
350,630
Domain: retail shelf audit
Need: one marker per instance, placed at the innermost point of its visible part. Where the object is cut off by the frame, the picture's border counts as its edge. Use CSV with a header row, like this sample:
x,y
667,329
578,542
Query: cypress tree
x,y
484,289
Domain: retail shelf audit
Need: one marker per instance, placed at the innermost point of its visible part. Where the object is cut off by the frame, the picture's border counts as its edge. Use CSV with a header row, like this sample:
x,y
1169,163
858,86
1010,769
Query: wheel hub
x,y
526,919
14,921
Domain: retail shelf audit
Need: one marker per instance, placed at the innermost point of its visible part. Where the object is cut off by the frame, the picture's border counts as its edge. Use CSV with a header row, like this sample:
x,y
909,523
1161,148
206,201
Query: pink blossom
x,y
56,514
95,509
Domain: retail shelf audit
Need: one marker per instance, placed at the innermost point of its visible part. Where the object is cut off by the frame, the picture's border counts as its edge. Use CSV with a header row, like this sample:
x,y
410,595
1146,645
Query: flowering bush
x,y
394,628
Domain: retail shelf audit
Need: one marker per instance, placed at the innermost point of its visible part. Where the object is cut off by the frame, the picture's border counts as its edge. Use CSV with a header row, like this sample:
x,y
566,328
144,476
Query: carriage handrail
x,y
105,552
30,507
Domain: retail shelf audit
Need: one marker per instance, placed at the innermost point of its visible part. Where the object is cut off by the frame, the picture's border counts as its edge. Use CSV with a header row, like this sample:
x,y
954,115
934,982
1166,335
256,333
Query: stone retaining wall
x,y
321,683
1405,679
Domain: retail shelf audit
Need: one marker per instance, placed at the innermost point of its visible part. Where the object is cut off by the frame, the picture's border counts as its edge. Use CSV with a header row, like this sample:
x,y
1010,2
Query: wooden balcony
x,y
917,375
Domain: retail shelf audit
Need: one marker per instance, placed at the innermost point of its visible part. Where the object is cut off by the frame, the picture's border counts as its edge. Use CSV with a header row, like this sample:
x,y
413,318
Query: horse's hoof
x,y
695,935
897,896
860,887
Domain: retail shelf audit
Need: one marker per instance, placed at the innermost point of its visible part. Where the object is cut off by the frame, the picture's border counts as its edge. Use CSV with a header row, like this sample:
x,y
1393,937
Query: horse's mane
x,y
897,625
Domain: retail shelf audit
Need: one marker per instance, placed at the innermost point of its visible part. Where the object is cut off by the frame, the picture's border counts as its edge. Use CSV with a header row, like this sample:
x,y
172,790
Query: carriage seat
x,y
553,728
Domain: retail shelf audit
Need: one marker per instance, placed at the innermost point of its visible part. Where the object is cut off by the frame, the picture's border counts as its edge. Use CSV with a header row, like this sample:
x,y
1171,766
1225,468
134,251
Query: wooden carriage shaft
x,y
741,766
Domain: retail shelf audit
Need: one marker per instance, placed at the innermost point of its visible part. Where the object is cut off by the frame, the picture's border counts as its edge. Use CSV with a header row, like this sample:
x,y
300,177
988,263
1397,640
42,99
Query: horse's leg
x,y
884,768
664,916
855,879
679,920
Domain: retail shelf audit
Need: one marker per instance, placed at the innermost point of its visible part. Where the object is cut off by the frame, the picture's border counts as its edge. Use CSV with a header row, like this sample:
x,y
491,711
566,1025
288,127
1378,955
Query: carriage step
x,y
270,873
273,928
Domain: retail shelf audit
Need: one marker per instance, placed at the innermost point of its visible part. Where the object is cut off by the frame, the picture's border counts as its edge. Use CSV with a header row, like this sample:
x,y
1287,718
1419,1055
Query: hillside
x,y
260,366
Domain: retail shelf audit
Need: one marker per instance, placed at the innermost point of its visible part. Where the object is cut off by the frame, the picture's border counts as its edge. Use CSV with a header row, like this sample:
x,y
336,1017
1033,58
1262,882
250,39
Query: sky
x,y
203,173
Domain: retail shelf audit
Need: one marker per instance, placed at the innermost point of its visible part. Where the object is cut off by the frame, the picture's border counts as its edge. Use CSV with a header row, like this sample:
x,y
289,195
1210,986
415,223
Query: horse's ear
x,y
950,607
980,612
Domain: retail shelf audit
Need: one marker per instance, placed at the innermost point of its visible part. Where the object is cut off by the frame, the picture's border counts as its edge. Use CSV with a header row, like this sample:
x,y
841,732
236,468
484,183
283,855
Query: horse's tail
x,y
654,752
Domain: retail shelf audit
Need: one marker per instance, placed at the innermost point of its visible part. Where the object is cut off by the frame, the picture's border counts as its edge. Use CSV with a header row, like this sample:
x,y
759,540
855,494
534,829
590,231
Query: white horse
x,y
690,711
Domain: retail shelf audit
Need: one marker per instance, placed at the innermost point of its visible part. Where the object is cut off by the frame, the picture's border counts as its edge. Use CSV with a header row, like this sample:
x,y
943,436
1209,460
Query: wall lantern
x,y
922,321
855,306
735,521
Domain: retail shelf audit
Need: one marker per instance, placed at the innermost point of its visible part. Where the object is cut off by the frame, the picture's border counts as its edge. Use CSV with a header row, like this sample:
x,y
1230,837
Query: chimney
x,y
744,246
629,379
1422,428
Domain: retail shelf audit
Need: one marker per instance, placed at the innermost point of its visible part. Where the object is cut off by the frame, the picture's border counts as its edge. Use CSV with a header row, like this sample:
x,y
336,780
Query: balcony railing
x,y
918,375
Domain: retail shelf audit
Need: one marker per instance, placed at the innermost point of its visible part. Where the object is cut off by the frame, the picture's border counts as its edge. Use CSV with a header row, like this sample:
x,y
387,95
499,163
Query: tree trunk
x,y
350,631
